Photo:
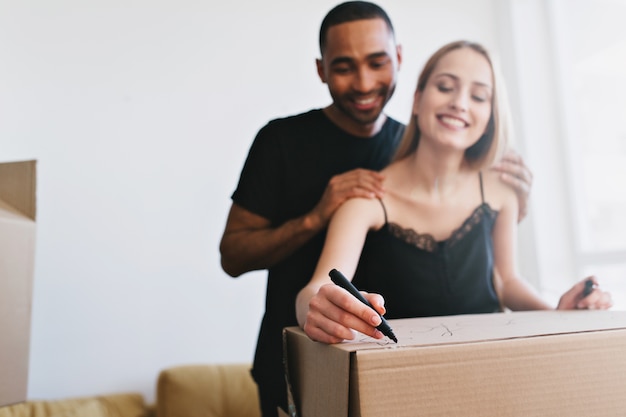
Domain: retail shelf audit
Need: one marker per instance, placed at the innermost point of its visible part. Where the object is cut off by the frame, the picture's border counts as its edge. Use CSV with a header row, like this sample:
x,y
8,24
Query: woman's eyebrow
x,y
447,74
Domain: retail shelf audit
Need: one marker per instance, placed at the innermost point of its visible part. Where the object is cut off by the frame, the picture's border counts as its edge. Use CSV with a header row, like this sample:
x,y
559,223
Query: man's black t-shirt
x,y
285,174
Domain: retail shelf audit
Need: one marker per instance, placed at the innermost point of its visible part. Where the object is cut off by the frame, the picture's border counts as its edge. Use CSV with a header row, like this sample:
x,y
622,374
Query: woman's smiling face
x,y
456,103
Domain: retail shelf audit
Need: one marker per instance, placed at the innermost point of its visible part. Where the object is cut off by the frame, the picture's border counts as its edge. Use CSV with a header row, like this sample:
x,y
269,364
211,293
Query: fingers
x,y
576,298
334,315
511,155
518,176
358,183
377,301
596,300
522,190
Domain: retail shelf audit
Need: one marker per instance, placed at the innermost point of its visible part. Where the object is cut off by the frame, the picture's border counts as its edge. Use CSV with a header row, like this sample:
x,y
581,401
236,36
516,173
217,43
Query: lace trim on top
x,y
427,242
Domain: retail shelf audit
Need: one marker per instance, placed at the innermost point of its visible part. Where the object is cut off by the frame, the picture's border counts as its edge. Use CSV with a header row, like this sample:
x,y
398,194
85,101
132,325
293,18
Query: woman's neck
x,y
436,174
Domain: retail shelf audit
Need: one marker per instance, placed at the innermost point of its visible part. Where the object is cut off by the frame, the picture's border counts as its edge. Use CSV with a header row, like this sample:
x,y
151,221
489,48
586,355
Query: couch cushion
x,y
220,390
91,408
116,405
124,405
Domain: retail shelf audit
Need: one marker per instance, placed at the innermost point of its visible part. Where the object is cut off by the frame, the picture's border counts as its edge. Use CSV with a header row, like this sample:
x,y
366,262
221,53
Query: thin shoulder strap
x,y
384,209
482,193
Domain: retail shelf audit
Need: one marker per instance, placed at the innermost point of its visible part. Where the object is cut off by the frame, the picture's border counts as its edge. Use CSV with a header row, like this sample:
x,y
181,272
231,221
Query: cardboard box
x,y
503,364
17,256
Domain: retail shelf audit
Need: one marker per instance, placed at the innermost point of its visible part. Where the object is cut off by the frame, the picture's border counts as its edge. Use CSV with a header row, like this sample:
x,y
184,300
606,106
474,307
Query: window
x,y
565,62
590,52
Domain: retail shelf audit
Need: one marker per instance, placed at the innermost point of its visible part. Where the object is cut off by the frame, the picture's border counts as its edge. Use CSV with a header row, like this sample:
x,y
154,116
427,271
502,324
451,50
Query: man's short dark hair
x,y
349,12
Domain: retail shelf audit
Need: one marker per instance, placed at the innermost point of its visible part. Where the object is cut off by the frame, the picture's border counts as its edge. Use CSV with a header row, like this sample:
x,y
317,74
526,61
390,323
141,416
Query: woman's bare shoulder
x,y
497,193
367,210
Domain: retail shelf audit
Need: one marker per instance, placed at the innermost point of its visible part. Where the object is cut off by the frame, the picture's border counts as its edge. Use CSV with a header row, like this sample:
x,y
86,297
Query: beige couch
x,y
207,391
211,390
115,405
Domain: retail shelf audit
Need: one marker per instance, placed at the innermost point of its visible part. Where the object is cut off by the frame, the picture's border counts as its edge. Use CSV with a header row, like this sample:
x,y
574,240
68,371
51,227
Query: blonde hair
x,y
493,142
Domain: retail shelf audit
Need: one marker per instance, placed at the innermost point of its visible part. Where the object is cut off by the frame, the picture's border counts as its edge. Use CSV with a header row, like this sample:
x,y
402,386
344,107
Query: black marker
x,y
588,287
339,279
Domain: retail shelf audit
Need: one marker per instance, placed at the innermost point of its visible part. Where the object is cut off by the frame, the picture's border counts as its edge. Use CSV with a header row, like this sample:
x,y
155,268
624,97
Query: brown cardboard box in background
x,y
503,364
17,256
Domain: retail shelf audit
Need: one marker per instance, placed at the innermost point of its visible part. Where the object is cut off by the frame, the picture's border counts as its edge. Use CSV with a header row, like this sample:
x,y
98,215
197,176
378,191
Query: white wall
x,y
140,114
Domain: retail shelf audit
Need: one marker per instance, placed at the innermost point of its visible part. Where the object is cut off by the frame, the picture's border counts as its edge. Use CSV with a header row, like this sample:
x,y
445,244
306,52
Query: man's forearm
x,y
246,250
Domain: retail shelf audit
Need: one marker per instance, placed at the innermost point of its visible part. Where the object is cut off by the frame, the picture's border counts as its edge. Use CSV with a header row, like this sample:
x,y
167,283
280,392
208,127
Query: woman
x,y
431,244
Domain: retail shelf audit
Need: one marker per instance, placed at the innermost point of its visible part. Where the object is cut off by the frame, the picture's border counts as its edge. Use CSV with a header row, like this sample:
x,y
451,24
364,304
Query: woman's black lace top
x,y
419,276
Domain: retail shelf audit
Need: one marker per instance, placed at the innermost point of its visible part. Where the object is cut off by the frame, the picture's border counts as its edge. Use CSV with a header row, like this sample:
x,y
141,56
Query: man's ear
x,y
320,70
399,55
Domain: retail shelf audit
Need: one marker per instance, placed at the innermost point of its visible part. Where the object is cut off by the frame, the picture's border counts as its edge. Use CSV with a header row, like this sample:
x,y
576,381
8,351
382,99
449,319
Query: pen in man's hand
x,y
339,279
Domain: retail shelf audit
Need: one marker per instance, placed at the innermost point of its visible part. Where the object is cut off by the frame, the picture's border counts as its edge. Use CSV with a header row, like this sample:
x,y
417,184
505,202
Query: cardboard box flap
x,y
17,186
17,262
432,331
333,371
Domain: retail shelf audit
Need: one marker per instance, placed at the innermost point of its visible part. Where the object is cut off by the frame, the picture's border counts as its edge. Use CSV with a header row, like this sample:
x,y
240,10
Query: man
x,y
301,168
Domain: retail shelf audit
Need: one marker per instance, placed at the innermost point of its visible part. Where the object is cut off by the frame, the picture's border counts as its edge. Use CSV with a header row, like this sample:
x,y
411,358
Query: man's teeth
x,y
365,101
452,121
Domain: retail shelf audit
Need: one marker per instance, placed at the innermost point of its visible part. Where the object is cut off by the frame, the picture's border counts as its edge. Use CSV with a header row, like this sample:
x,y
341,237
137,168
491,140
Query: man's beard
x,y
364,117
